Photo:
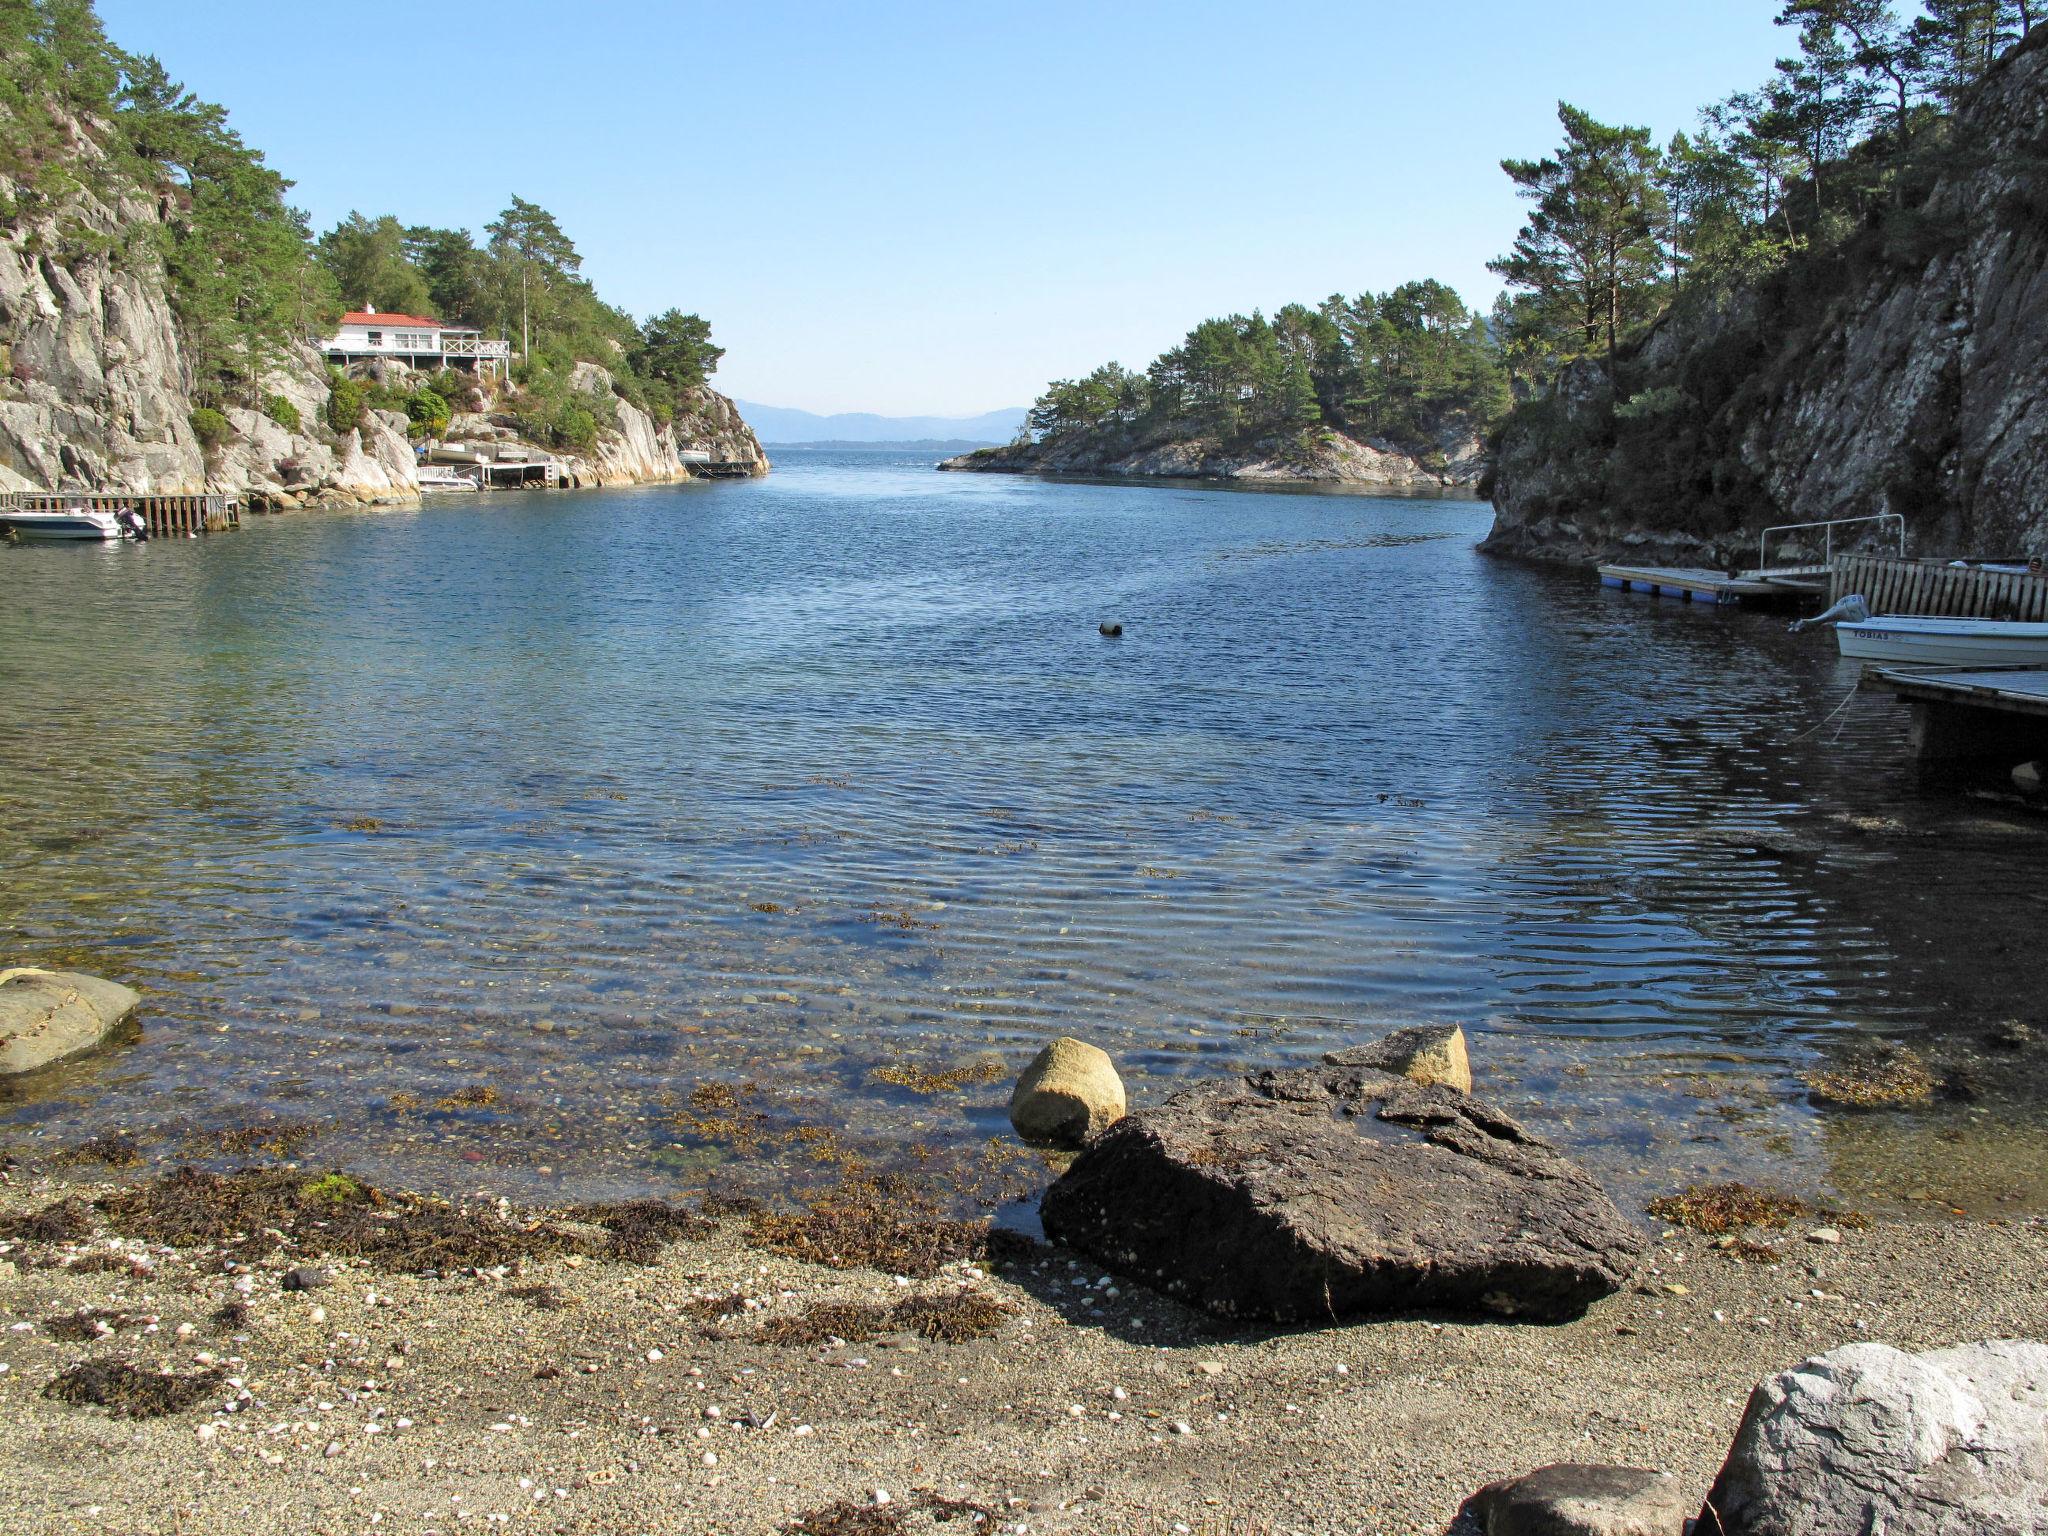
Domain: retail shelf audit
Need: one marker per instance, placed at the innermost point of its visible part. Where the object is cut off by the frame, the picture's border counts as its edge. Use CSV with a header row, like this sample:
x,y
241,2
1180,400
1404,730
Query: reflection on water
x,y
585,797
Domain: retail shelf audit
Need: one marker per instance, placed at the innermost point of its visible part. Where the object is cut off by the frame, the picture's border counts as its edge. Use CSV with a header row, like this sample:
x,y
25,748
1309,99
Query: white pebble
x,y
711,1458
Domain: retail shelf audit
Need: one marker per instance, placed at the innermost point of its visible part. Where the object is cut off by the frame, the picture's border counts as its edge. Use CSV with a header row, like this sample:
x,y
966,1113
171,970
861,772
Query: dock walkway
x,y
166,516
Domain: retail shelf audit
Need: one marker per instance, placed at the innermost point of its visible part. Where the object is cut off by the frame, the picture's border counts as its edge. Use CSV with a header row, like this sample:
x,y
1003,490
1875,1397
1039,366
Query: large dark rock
x,y
1326,1192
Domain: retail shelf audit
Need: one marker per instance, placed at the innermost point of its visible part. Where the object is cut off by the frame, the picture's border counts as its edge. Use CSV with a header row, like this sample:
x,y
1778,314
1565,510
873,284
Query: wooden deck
x,y
2012,690
1973,714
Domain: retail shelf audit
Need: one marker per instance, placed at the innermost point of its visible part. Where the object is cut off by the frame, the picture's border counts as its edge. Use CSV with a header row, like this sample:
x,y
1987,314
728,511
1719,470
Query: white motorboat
x,y
439,477
74,523
1902,641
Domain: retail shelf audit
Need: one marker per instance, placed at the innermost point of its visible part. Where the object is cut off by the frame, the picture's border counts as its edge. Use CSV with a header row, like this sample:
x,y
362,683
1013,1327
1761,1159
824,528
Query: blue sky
x,y
936,208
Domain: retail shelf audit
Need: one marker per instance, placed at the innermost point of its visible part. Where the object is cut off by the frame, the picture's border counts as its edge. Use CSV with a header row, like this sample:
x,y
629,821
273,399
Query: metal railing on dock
x,y
1936,589
166,516
1894,520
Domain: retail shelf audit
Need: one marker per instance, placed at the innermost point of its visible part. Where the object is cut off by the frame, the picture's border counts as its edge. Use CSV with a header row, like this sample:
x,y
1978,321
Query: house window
x,y
376,338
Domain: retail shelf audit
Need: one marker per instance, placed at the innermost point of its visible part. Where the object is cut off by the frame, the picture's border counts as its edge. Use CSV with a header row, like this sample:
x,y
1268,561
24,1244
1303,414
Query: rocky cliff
x,y
638,451
96,392
1332,457
1905,372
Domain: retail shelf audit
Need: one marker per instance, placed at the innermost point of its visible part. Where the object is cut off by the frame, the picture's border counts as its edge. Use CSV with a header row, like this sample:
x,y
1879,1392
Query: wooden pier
x,y
1938,589
1973,714
165,516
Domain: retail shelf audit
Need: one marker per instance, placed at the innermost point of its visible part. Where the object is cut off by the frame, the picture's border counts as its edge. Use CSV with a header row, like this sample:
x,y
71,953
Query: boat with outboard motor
x,y
1913,640
74,525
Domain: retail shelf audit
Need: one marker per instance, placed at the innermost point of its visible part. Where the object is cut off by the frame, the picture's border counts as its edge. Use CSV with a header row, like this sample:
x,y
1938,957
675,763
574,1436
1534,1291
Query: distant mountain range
x,y
777,425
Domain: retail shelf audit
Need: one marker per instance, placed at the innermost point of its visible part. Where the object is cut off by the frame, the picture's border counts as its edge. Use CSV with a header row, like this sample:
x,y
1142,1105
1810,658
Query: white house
x,y
414,340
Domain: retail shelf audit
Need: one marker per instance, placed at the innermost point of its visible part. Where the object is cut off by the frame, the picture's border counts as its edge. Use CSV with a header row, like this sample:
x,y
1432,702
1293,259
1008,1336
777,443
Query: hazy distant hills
x,y
774,424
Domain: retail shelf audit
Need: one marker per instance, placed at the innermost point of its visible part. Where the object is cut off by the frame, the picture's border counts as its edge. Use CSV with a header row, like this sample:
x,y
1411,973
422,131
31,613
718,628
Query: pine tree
x,y
1589,252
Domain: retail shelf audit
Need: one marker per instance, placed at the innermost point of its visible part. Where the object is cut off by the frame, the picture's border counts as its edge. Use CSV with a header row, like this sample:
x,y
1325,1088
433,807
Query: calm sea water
x,y
587,797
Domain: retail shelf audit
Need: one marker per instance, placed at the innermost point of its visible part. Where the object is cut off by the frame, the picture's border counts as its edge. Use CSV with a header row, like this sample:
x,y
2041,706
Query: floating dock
x,y
1698,585
1996,714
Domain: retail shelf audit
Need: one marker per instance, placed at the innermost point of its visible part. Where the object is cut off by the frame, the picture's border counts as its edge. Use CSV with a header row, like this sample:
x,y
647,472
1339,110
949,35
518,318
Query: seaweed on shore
x,y
114,1149
1718,1208
941,1319
917,1080
850,1517
279,1138
637,1230
63,1221
130,1393
259,1210
886,1223
86,1324
1884,1079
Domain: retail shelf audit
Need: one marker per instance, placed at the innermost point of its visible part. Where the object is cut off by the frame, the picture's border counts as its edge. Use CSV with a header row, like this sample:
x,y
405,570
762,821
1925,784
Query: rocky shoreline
x,y
1333,458
715,1389
257,1343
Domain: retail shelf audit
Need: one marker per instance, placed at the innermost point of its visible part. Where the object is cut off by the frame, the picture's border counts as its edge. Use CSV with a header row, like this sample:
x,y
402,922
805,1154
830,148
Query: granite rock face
x,y
1337,458
1920,387
1321,1193
48,1015
96,390
1869,1438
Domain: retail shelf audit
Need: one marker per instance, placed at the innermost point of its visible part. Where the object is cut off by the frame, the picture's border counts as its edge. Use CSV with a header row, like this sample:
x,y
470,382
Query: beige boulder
x,y
1422,1053
1068,1094
48,1015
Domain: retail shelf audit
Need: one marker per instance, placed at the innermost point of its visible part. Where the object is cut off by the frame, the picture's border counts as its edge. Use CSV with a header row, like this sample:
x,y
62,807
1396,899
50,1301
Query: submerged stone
x,y
1422,1053
48,1015
1328,1192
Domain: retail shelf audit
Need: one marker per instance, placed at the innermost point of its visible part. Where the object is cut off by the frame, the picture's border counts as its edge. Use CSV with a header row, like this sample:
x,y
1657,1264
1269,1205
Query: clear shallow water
x,y
496,792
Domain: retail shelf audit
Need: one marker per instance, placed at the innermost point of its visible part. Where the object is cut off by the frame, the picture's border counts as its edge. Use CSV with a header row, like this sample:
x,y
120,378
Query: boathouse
x,y
414,340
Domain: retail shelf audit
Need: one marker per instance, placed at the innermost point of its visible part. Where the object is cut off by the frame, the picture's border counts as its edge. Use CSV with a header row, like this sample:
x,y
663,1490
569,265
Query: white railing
x,y
1763,562
472,346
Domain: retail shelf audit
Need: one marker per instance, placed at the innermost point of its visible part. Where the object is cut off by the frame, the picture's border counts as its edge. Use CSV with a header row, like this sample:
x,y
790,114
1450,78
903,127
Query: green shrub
x,y
210,426
282,411
576,427
346,402
429,412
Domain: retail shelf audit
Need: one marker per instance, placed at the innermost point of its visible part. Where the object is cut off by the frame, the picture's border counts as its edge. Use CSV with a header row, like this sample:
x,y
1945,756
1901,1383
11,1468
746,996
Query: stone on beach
x,y
1319,1193
48,1015
1871,1438
1575,1500
1422,1053
1069,1093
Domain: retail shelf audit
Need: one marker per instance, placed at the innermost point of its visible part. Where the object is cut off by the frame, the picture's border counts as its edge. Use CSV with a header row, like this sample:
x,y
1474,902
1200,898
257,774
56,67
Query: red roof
x,y
366,317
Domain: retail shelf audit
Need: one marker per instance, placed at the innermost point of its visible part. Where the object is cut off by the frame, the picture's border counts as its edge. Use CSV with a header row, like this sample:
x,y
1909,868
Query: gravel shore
x,y
637,1398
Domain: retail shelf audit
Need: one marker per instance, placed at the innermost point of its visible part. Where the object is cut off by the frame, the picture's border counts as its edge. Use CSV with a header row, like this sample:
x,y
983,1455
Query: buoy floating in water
x,y
1111,631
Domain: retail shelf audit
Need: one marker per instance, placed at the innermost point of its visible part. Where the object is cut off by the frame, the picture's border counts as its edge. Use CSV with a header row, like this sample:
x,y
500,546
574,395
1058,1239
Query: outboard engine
x,y
133,524
1850,610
